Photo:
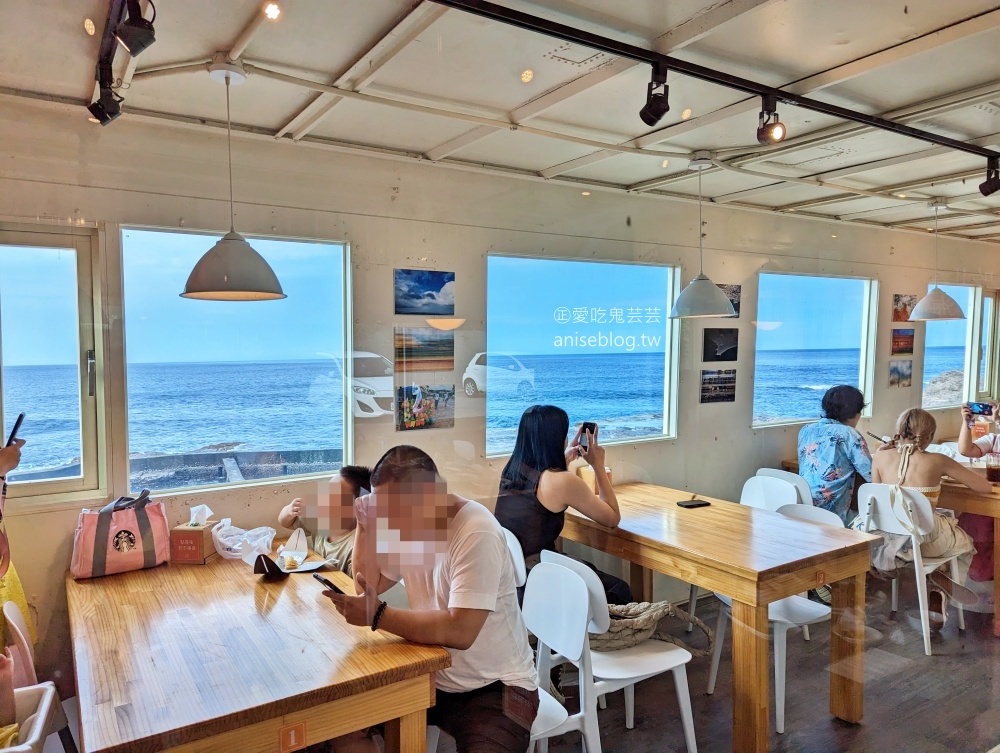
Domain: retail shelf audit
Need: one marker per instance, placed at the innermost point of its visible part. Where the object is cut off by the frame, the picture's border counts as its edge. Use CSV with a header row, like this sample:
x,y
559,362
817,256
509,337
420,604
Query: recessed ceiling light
x,y
666,163
88,26
585,193
901,195
792,209
93,120
833,236
686,114
272,11
526,75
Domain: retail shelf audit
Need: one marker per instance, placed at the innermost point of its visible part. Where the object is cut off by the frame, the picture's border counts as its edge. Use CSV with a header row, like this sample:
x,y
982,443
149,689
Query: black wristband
x,y
378,615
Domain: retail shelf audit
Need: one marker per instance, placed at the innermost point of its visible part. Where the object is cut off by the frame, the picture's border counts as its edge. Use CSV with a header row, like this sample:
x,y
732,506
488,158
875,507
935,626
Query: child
x,y
329,527
8,725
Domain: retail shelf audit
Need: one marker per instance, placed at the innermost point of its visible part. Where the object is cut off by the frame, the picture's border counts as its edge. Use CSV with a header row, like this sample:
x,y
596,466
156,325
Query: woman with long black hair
x,y
536,489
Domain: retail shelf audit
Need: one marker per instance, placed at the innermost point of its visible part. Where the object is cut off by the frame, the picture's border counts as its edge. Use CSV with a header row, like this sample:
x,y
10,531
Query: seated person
x,y
980,527
8,716
329,528
832,451
536,489
453,559
904,462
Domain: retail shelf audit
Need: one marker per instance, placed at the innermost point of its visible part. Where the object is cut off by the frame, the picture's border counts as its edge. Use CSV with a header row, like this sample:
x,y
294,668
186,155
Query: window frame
x,y
868,345
973,336
990,353
85,242
672,329
120,444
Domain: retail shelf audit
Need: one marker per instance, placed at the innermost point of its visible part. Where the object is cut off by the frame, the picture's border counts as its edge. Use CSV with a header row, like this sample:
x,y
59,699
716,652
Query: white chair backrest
x,y
24,656
556,609
800,484
812,514
517,557
600,618
768,493
875,507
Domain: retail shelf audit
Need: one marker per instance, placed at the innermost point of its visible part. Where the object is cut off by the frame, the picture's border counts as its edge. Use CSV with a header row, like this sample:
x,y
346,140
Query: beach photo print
x,y
901,373
424,349
424,291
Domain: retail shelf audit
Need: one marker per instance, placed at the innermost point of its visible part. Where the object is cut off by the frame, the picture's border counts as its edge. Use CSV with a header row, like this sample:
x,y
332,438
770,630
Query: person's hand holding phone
x,y
360,609
573,450
10,456
593,453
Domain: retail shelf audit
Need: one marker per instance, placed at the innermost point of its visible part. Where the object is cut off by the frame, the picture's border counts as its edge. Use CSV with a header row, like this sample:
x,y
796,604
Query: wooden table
x,y
961,498
213,659
755,557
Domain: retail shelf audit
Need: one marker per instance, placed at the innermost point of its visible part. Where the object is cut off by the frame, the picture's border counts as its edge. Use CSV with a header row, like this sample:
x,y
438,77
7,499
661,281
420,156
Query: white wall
x,y
54,164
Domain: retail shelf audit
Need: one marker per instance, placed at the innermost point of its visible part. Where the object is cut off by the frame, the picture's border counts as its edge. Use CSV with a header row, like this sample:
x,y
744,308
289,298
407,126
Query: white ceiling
x,y
905,59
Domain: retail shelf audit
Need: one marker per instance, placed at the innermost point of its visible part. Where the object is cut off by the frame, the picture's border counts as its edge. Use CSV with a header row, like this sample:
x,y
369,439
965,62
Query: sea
x,y
186,407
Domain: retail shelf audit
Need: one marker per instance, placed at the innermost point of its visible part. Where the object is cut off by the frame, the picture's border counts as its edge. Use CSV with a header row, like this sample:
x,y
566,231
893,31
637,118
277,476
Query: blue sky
x,y
423,291
162,327
523,296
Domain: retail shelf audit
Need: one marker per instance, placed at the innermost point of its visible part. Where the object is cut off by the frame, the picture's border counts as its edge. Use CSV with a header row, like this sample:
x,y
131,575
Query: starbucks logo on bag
x,y
124,541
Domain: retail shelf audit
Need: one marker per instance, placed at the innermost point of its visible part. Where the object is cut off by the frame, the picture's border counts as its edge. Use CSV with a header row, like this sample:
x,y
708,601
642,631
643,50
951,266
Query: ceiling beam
x,y
391,42
675,39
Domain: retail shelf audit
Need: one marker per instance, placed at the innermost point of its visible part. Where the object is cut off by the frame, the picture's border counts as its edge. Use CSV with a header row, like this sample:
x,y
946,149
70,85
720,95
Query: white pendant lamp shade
x,y
232,271
701,297
936,306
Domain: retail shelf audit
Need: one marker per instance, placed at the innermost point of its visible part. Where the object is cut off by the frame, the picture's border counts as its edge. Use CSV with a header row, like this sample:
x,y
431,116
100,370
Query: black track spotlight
x,y
135,32
770,130
107,106
657,96
992,183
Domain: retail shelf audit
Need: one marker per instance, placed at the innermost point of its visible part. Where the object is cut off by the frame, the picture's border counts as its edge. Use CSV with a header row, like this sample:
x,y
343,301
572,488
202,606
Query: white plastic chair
x,y
875,508
800,484
765,492
784,614
517,556
600,672
18,630
34,710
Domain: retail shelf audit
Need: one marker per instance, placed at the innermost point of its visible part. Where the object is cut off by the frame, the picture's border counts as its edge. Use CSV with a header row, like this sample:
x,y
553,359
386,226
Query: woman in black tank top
x,y
541,448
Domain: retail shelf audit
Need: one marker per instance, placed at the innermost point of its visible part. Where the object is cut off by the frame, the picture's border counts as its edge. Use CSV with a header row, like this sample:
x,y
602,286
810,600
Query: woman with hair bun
x,y
904,462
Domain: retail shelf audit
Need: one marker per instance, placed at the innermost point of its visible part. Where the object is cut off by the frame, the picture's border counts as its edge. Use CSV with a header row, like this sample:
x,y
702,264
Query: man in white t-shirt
x,y
452,557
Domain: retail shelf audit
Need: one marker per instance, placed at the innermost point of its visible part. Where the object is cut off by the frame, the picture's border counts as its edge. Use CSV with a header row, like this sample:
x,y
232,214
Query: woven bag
x,y
631,624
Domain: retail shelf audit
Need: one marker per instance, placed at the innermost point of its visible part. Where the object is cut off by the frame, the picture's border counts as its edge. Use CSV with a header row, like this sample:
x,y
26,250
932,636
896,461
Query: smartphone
x,y
326,582
694,503
978,409
13,432
584,428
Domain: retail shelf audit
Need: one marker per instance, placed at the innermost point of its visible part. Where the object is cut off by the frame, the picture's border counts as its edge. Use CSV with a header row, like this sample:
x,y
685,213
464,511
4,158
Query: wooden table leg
x,y
408,734
996,576
847,649
751,688
640,580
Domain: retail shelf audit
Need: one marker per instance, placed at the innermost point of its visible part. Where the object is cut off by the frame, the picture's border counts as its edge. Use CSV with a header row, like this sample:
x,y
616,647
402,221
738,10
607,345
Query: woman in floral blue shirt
x,y
832,451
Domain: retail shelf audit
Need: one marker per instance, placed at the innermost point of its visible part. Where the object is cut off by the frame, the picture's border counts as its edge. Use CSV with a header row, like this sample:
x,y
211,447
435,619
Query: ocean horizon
x,y
259,406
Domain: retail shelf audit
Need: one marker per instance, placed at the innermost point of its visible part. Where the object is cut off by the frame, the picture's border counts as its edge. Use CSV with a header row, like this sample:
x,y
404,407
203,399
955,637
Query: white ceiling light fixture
x,y
445,324
232,270
937,305
272,11
702,298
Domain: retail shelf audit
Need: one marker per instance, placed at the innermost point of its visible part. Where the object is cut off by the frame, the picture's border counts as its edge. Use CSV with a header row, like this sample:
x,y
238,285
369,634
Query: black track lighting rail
x,y
621,49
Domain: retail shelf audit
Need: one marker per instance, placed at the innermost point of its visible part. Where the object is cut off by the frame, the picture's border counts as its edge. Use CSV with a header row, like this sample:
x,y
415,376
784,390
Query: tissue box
x,y
192,545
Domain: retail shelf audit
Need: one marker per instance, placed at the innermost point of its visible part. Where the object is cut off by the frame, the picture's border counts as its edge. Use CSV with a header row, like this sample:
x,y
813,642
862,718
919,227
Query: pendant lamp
x,y
937,305
701,298
232,270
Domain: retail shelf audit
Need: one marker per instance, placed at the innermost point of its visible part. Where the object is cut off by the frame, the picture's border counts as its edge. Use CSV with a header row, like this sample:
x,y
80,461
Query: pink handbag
x,y
127,534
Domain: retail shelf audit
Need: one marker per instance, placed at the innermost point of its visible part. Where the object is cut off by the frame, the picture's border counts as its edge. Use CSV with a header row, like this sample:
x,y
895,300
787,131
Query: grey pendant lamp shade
x,y
701,297
937,305
232,270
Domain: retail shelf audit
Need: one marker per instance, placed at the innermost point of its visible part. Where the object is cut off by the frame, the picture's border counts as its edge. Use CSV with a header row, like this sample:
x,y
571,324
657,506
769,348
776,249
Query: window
x,y
45,287
945,351
223,392
987,353
812,333
590,337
